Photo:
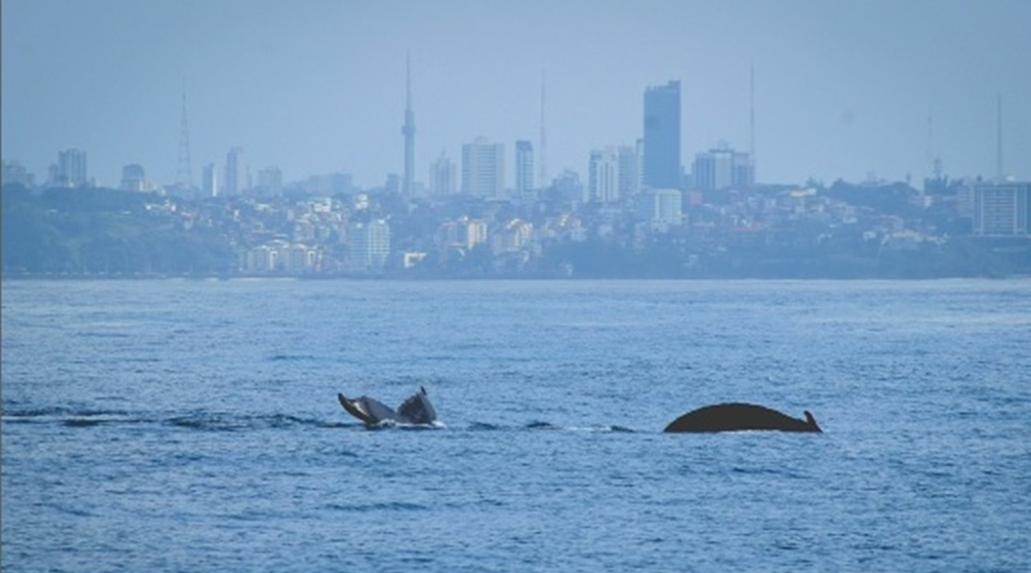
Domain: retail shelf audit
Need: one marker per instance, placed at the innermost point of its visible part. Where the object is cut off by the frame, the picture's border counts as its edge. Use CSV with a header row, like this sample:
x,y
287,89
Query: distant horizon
x,y
319,88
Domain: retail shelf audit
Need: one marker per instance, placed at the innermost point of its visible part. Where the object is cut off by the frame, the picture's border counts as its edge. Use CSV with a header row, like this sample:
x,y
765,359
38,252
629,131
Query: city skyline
x,y
847,141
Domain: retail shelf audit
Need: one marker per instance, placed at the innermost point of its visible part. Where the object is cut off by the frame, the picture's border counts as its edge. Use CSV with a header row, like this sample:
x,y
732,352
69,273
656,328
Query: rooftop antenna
x,y
998,136
543,173
751,112
929,155
184,172
408,130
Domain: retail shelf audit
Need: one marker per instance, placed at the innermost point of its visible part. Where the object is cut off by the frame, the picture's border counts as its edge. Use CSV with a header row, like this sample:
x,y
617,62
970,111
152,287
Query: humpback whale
x,y
737,416
415,410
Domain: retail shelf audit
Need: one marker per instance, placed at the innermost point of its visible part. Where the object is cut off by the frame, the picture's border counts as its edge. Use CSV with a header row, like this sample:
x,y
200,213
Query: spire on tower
x,y
408,130
184,172
751,113
408,80
999,172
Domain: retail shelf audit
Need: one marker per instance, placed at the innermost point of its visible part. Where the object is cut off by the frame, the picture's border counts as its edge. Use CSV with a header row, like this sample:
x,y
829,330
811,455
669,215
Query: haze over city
x,y
841,90
661,285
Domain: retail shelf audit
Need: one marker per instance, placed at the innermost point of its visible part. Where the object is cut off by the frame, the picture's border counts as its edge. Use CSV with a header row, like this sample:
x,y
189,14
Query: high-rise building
x,y
369,245
483,168
567,187
408,130
629,170
662,136
133,178
722,168
443,178
235,172
209,181
71,168
15,173
1001,208
393,184
523,167
270,180
603,176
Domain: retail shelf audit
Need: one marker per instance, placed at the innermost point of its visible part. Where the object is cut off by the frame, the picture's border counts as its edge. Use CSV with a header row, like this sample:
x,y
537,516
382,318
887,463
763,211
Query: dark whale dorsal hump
x,y
367,409
417,409
738,416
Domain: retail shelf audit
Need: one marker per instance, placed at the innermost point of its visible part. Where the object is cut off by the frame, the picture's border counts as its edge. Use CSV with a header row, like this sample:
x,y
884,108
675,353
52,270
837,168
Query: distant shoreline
x,y
492,278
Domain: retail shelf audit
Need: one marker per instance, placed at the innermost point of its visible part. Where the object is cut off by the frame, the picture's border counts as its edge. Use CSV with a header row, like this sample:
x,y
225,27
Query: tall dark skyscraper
x,y
662,136
408,130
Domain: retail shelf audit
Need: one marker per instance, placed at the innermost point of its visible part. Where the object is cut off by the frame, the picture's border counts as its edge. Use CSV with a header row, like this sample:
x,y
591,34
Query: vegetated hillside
x,y
92,231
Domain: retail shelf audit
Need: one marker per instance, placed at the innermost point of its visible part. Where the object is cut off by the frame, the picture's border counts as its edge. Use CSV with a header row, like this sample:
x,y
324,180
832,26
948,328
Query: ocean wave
x,y
374,507
211,421
291,357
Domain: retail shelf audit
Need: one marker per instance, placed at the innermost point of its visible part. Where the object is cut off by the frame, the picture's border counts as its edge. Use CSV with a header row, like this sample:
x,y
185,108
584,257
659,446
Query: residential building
x,y
1001,208
662,208
370,246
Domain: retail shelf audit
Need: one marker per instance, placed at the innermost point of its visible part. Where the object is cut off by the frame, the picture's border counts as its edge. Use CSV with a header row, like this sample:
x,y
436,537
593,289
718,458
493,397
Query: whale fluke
x,y
415,410
737,416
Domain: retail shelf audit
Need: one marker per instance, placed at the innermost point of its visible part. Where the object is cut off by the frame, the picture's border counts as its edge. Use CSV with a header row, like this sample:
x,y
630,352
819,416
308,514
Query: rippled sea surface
x,y
193,426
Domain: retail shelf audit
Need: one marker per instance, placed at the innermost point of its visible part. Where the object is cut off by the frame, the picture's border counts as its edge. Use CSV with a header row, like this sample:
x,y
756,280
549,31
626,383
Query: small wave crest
x,y
237,422
394,425
376,507
27,414
210,421
290,357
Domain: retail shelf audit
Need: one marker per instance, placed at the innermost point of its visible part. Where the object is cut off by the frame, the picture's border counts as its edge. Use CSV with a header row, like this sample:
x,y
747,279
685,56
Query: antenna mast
x,y
999,172
751,112
184,171
543,174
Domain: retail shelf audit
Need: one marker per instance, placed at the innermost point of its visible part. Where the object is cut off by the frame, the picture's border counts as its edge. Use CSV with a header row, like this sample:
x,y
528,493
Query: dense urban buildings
x,y
722,168
636,214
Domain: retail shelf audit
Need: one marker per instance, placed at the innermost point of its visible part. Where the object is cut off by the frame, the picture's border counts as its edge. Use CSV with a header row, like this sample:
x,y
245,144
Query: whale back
x,y
739,416
367,409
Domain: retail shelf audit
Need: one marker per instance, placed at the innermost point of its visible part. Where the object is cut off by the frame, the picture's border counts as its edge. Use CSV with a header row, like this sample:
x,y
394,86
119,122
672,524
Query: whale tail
x,y
809,419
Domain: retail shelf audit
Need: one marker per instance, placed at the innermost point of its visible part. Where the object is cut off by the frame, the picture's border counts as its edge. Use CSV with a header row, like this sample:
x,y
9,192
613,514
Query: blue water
x,y
193,426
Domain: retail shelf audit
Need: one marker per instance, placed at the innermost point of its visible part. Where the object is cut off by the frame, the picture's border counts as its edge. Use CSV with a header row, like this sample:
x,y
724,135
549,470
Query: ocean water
x,y
193,426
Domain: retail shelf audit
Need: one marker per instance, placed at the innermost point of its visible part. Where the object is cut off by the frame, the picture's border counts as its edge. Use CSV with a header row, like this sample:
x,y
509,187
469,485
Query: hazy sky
x,y
842,88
